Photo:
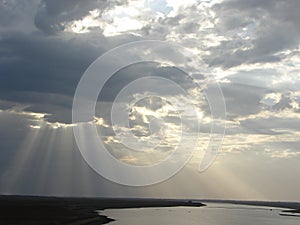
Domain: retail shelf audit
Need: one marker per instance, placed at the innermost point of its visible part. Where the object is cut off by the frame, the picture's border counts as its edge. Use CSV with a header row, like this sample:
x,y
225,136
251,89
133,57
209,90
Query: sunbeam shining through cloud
x,y
205,64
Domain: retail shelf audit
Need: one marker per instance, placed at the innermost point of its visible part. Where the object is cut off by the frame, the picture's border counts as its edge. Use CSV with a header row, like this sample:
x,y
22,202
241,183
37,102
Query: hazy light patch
x,y
26,113
35,153
85,24
271,99
224,177
213,40
284,78
34,126
289,68
110,139
40,147
286,153
145,112
137,157
57,125
281,72
235,184
124,18
295,105
221,74
121,25
295,100
28,149
100,121
22,157
130,160
36,120
177,6
155,121
264,114
60,145
243,142
199,150
160,7
166,134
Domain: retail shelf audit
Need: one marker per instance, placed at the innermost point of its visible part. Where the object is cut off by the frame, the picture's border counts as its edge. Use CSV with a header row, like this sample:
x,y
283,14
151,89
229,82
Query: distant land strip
x,y
34,210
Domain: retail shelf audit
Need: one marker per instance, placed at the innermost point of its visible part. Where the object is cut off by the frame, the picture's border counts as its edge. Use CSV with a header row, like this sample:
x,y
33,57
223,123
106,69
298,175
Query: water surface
x,y
212,214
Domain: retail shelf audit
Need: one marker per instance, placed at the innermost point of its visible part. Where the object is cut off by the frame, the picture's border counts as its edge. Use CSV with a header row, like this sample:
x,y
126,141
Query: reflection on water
x,y
212,214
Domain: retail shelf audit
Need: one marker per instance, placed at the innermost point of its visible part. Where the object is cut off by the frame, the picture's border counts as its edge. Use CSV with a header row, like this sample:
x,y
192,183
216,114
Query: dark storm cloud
x,y
244,92
37,67
53,14
41,70
56,106
275,25
13,12
242,100
144,69
41,63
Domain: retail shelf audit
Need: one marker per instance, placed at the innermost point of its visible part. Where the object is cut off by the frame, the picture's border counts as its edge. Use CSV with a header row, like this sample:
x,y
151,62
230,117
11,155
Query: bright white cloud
x,y
85,24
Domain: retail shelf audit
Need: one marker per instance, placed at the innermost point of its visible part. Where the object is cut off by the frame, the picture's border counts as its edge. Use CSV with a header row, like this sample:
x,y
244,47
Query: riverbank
x,y
21,210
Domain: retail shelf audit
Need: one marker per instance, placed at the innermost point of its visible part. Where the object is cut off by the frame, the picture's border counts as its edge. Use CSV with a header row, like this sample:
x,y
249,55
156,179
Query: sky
x,y
249,48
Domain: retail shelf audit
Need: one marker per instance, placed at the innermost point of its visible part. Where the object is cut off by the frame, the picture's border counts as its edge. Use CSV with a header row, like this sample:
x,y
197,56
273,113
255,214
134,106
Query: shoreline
x,y
21,210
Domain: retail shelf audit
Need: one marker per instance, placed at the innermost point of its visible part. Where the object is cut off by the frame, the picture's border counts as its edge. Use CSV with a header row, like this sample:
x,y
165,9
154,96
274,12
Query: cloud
x,y
52,15
251,48
17,14
262,29
42,71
